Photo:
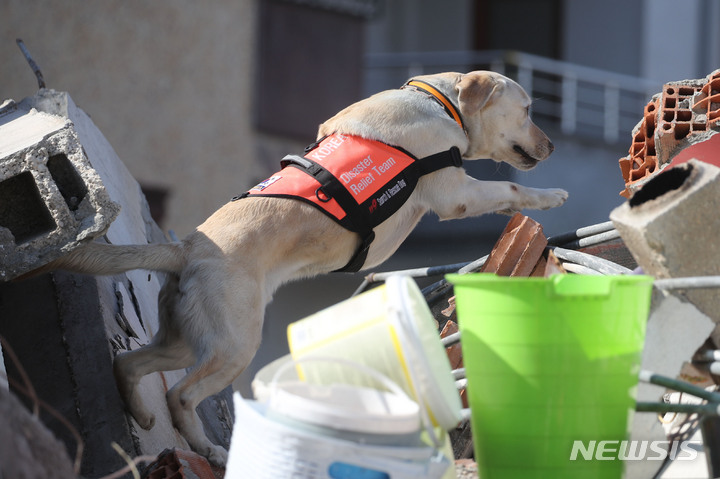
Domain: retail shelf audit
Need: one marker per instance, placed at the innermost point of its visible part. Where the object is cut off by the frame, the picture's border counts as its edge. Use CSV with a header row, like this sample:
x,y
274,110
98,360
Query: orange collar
x,y
439,97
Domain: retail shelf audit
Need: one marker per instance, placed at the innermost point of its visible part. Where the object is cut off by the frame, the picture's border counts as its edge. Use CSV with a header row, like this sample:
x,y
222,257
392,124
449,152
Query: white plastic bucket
x,y
263,448
382,415
391,330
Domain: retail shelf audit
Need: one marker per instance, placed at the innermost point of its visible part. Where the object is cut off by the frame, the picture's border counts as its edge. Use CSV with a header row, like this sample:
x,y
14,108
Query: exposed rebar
x,y
592,240
565,238
35,68
709,408
593,262
677,385
413,273
693,282
450,339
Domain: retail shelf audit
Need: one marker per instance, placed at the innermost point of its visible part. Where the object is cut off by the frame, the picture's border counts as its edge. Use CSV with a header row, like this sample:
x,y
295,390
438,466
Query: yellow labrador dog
x,y
221,277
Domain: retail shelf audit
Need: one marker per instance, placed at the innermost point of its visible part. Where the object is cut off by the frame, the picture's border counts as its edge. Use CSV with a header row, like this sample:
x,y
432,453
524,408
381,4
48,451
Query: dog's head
x,y
496,113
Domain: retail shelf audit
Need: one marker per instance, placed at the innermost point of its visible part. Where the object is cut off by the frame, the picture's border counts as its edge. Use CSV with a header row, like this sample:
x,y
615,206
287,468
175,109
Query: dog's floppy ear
x,y
475,90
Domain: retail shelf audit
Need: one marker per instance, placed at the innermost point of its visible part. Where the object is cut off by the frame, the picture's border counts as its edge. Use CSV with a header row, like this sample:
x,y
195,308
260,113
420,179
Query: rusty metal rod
x,y
35,68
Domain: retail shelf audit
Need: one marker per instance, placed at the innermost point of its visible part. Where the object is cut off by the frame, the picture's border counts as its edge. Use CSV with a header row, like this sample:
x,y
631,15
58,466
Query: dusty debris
x,y
27,448
181,464
466,469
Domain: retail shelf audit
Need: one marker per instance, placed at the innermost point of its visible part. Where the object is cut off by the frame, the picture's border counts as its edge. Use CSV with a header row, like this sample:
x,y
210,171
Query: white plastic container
x,y
382,415
389,329
264,448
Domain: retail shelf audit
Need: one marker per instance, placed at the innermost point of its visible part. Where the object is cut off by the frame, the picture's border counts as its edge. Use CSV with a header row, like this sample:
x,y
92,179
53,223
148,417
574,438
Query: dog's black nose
x,y
551,147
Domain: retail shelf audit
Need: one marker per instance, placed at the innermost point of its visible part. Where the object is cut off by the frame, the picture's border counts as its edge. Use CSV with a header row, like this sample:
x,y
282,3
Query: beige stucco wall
x,y
169,83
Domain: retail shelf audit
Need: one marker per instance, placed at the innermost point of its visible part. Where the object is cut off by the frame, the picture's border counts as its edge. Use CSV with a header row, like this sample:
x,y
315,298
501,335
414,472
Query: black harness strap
x,y
438,161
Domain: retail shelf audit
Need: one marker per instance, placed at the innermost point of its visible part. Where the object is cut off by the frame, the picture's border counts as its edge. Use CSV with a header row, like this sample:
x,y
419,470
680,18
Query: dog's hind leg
x,y
209,377
167,351
229,315
130,367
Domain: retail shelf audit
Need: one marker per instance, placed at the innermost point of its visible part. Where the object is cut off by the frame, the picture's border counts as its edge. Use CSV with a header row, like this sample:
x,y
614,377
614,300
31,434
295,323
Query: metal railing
x,y
577,99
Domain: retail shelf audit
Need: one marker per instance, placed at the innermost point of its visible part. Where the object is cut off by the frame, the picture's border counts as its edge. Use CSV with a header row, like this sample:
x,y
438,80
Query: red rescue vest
x,y
357,182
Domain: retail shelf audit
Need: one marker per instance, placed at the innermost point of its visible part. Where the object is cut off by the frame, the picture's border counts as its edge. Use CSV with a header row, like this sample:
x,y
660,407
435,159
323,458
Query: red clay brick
x,y
683,109
454,352
708,103
180,464
518,249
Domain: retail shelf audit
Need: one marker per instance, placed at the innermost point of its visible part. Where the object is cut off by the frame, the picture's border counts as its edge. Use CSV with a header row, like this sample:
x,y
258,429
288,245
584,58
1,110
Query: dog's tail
x,y
107,259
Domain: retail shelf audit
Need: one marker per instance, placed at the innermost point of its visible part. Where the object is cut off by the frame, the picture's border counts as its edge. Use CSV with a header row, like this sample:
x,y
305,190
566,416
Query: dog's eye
x,y
527,110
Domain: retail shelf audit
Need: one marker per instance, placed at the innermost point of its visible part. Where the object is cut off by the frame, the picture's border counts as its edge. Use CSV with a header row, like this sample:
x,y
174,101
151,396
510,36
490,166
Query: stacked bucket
x,y
367,393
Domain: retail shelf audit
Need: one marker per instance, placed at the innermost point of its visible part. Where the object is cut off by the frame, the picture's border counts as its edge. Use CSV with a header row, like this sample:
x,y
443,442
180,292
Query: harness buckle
x,y
325,198
456,157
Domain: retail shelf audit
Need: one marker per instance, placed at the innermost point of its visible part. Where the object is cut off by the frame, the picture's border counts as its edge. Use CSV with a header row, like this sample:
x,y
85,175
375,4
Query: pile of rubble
x,y
664,229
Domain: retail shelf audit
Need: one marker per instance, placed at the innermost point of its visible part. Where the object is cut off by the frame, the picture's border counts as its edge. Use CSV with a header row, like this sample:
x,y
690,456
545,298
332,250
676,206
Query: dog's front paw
x,y
217,455
551,198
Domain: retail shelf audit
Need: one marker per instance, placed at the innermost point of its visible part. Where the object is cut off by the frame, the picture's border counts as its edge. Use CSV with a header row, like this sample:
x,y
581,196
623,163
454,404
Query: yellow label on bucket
x,y
389,329
357,329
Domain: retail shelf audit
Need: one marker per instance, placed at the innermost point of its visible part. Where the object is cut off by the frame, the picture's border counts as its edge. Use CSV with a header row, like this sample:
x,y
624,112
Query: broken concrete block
x,y
684,113
66,325
670,226
518,249
51,199
675,331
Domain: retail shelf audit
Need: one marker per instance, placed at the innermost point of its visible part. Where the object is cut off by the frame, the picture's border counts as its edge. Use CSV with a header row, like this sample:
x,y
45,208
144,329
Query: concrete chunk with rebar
x,y
51,198
671,225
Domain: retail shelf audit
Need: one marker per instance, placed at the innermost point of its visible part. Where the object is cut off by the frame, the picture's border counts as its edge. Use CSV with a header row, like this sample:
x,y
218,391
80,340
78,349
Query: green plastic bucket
x,y
549,362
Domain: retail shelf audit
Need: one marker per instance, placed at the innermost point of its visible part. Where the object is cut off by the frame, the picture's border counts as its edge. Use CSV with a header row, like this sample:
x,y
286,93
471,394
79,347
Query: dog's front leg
x,y
465,196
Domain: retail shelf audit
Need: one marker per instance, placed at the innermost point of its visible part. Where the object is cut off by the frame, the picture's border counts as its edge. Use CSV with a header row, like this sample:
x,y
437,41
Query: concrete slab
x,y
51,198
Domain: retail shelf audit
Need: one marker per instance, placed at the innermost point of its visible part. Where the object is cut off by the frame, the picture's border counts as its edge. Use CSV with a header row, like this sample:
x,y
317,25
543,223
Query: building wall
x,y
168,82
605,34
662,40
678,39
